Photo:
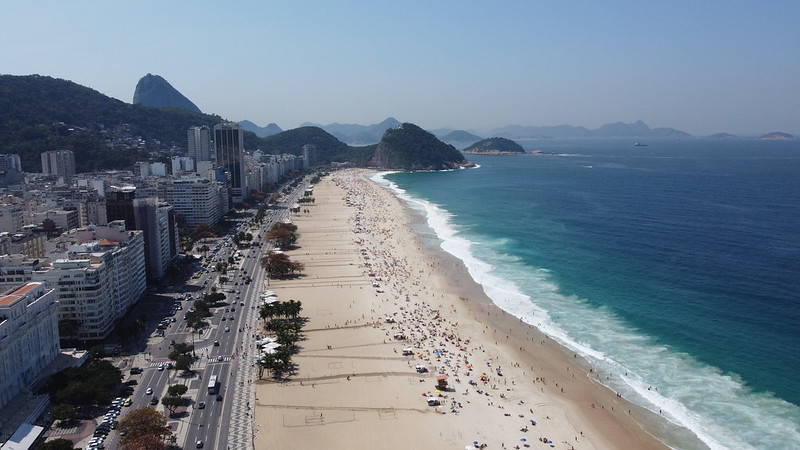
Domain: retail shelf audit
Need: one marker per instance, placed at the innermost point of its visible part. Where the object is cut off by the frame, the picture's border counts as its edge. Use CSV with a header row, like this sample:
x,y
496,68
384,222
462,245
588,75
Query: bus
x,y
212,385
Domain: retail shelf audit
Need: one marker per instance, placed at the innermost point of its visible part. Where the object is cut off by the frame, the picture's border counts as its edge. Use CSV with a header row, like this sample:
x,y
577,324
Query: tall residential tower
x,y
229,145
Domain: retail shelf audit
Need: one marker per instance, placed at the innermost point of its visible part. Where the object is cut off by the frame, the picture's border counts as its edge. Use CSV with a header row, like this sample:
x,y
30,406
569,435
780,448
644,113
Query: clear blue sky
x,y
700,66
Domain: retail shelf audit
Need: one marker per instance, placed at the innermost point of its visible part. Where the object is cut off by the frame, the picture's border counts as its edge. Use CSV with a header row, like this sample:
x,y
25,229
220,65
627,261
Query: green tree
x,y
172,403
176,390
57,444
63,412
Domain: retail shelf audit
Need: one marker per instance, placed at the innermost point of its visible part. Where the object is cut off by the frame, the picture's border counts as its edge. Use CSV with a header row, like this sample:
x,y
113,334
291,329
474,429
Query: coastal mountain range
x,y
39,113
355,134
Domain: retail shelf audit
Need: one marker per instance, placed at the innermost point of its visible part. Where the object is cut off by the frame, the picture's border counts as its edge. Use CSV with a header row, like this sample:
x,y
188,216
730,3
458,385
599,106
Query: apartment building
x,y
28,336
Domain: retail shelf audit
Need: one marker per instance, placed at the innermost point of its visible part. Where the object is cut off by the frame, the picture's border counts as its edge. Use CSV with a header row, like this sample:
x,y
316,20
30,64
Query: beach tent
x,y
441,382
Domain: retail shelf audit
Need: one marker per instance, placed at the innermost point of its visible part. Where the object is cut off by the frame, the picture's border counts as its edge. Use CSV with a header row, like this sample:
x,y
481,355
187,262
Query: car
x,y
241,303
223,319
172,319
160,367
199,444
219,397
201,405
154,401
216,343
135,370
130,383
149,391
233,309
227,329
220,358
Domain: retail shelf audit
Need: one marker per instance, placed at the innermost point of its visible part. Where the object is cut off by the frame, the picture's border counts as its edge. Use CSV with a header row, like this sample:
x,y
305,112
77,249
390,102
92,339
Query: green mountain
x,y
496,145
292,141
409,147
40,113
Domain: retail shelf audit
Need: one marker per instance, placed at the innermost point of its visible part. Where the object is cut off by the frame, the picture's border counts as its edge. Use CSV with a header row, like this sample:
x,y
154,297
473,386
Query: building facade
x,y
162,244
60,163
28,336
199,144
195,199
119,205
229,147
98,274
10,161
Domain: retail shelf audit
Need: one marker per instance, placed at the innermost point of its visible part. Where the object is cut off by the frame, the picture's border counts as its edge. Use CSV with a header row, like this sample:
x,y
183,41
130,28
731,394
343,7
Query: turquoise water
x,y
672,268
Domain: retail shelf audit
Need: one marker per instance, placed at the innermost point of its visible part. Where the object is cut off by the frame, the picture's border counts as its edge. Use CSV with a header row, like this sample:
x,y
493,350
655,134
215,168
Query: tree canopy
x,y
145,429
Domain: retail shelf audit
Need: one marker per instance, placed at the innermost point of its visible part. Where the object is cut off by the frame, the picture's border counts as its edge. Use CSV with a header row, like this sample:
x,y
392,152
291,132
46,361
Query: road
x,y
225,423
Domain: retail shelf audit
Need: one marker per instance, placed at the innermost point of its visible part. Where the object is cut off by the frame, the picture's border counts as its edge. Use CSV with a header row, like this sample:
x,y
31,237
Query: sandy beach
x,y
378,306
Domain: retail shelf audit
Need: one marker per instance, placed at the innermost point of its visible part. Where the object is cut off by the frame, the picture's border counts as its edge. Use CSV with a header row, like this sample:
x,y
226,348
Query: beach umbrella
x,y
523,440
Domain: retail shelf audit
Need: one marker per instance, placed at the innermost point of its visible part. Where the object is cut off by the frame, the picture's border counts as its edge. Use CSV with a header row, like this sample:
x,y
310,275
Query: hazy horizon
x,y
703,68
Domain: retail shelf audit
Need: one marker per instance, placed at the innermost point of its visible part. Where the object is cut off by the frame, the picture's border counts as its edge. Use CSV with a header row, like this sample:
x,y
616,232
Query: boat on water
x,y
639,144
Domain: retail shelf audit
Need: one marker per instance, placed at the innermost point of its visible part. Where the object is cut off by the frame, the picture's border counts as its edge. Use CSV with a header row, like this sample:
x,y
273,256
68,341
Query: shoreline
x,y
365,394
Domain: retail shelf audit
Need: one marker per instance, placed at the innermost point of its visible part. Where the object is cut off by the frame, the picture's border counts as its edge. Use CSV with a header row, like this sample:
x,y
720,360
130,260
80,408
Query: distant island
x,y
495,146
776,136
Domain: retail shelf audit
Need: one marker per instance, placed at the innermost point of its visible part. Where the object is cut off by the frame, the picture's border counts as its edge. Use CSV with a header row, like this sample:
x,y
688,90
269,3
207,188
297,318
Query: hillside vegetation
x,y
495,145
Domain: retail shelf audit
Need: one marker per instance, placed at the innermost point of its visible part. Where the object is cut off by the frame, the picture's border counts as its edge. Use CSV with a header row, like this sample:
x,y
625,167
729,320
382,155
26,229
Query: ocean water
x,y
674,269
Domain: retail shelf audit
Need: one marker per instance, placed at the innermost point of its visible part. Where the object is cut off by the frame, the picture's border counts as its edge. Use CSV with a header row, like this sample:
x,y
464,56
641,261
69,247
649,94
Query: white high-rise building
x,y
194,198
28,337
157,220
98,274
60,163
181,164
199,144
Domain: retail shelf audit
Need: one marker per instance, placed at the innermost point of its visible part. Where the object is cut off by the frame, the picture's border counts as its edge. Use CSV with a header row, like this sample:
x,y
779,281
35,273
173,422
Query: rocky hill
x,y
776,136
268,130
459,136
156,92
496,146
409,147
39,113
292,141
358,134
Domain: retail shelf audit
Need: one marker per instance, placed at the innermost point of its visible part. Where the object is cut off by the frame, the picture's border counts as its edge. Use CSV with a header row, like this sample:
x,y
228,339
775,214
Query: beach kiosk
x,y
441,382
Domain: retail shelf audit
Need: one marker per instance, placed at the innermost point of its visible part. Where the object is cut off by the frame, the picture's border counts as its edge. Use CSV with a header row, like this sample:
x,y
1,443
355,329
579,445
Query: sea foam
x,y
716,407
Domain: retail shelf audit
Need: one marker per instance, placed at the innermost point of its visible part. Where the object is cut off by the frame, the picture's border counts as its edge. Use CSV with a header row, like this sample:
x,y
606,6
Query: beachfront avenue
x,y
223,346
